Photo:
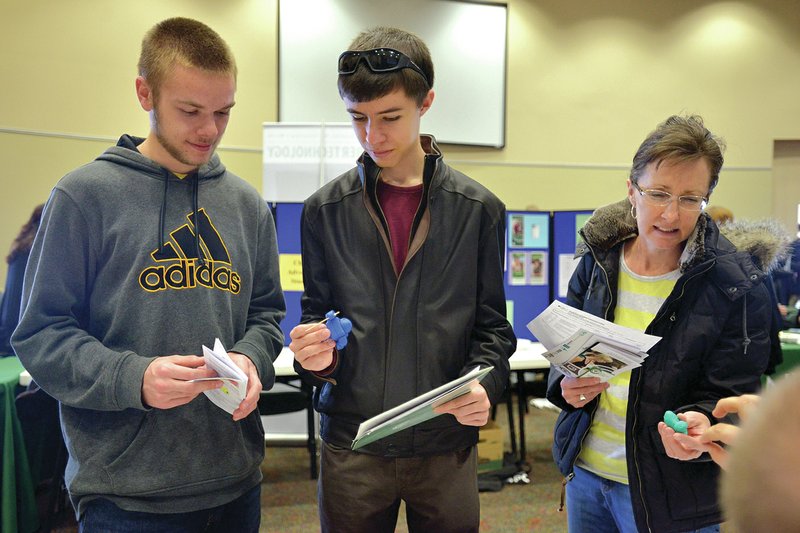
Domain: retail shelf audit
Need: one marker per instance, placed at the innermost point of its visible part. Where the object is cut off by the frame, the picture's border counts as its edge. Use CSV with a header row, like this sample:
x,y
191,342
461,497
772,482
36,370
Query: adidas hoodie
x,y
131,263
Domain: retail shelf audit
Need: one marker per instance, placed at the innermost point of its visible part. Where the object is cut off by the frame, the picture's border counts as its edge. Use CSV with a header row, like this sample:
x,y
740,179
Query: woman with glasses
x,y
657,263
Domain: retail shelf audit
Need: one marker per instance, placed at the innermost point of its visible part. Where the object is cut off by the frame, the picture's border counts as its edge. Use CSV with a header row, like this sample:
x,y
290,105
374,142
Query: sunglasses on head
x,y
379,60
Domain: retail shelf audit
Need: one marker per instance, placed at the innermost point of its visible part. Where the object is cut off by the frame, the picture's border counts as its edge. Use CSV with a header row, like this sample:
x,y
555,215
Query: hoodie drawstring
x,y
195,192
163,215
196,216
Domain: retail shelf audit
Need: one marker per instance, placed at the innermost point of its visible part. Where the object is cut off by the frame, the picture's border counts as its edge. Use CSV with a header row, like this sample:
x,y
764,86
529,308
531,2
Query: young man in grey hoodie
x,y
144,255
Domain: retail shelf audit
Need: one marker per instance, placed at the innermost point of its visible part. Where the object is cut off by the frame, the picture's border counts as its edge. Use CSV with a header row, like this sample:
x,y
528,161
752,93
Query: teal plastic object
x,y
672,420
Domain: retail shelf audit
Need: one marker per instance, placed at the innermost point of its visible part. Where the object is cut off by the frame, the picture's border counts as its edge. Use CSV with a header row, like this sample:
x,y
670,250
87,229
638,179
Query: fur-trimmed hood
x,y
766,240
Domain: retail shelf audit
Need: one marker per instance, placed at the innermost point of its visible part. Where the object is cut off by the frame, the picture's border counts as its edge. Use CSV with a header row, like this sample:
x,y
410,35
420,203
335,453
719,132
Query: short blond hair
x,y
760,490
184,41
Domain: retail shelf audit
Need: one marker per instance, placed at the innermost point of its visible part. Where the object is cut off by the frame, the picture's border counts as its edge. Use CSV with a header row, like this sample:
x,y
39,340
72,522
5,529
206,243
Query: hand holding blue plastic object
x,y
672,420
340,328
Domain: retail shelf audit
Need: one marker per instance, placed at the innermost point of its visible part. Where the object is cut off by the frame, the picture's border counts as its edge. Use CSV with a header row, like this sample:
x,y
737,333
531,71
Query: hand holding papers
x,y
583,345
416,410
234,388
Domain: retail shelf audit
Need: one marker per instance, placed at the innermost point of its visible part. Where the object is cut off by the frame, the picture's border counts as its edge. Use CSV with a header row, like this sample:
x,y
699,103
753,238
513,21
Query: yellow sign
x,y
291,272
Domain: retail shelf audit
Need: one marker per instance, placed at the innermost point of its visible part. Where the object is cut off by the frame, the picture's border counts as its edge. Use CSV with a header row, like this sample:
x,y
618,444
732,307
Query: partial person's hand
x,y
253,385
726,433
471,409
580,391
685,447
166,383
312,346
782,310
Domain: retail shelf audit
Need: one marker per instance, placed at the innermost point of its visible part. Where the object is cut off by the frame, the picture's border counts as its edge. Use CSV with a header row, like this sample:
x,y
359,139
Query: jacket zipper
x,y
571,474
638,385
397,283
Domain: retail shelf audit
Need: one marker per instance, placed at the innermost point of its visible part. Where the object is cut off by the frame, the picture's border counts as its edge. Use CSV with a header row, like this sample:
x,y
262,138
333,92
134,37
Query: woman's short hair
x,y
679,139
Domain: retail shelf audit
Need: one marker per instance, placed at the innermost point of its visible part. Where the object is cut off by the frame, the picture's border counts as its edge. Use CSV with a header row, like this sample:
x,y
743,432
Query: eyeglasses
x,y
379,60
663,198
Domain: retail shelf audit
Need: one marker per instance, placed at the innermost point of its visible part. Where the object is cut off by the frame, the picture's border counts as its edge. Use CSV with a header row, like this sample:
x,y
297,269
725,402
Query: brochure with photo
x,y
582,345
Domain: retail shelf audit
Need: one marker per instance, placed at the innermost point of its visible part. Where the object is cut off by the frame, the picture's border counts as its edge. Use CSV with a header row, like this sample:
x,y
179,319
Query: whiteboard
x,y
467,41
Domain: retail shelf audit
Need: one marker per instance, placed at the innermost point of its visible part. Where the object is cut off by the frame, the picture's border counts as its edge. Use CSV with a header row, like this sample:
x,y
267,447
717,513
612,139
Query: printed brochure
x,y
583,345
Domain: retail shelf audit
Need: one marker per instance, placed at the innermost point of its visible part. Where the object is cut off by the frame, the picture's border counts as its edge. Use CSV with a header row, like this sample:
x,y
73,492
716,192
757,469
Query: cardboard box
x,y
490,447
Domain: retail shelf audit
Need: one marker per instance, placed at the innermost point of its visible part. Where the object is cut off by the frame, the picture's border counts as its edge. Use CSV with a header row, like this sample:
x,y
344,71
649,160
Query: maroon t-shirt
x,y
399,205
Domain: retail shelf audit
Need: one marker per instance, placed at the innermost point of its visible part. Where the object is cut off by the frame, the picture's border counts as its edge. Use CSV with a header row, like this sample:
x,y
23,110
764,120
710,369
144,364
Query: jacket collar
x,y
765,240
368,171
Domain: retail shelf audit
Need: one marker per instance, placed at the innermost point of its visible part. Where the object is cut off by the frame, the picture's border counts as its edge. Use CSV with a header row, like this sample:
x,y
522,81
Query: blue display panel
x,y
528,268
287,223
565,238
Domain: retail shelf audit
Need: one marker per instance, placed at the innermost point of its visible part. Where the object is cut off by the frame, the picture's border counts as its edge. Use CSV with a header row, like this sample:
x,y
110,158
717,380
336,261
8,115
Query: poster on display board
x,y
528,230
527,281
527,268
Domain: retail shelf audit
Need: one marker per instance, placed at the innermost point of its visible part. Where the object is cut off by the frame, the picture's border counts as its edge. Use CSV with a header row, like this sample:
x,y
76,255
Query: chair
x,y
299,399
38,415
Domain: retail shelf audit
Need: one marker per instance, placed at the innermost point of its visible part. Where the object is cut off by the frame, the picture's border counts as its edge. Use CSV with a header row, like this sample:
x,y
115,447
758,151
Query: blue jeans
x,y
241,515
599,505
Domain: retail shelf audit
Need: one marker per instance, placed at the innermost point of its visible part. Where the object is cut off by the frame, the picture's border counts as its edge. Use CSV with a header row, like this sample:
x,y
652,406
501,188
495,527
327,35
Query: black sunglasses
x,y
379,60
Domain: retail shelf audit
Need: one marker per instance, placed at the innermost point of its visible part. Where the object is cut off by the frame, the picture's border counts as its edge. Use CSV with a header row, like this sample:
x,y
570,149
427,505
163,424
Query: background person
x,y
143,255
412,252
657,263
17,258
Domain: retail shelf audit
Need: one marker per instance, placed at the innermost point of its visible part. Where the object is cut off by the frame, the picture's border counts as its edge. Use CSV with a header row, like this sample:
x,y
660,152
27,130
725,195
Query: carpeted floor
x,y
289,500
289,495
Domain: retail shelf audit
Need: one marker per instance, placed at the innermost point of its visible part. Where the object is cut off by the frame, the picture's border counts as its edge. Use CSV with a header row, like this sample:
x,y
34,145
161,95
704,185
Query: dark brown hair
x,y
22,244
364,85
679,139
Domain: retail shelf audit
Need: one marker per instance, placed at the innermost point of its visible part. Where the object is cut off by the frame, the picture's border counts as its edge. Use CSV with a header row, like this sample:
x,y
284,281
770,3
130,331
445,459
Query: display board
x,y
287,224
467,41
527,280
565,238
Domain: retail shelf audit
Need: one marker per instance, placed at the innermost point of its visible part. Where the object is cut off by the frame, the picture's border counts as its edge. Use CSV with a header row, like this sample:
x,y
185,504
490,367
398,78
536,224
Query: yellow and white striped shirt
x,y
638,300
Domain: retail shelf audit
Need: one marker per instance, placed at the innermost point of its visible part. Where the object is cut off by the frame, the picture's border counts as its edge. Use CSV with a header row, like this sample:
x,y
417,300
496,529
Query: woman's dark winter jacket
x,y
715,343
415,326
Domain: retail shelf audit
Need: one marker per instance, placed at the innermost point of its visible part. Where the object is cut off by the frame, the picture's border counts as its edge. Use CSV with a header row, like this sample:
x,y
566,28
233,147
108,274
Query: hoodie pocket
x,y
176,450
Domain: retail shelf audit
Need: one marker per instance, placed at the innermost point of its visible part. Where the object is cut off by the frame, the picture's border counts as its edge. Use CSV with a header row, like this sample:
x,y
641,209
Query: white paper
x,y
234,387
559,322
583,345
429,400
567,263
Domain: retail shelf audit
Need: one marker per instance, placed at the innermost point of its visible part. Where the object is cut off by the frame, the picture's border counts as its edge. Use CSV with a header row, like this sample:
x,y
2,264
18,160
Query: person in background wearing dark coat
x,y
655,262
17,258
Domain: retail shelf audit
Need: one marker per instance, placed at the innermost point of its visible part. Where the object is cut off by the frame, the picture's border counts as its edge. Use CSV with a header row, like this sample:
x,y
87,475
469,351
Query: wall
x,y
586,82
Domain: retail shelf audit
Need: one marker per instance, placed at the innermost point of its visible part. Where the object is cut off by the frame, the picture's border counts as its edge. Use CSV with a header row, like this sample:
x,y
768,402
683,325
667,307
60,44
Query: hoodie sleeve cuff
x,y
130,378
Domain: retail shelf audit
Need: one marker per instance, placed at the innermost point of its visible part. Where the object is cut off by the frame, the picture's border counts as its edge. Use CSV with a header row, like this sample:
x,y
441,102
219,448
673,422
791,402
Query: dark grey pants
x,y
361,493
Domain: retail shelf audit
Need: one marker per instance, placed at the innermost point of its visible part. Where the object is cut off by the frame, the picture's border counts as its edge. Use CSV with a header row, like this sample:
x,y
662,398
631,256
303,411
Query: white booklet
x,y
234,386
416,410
582,345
